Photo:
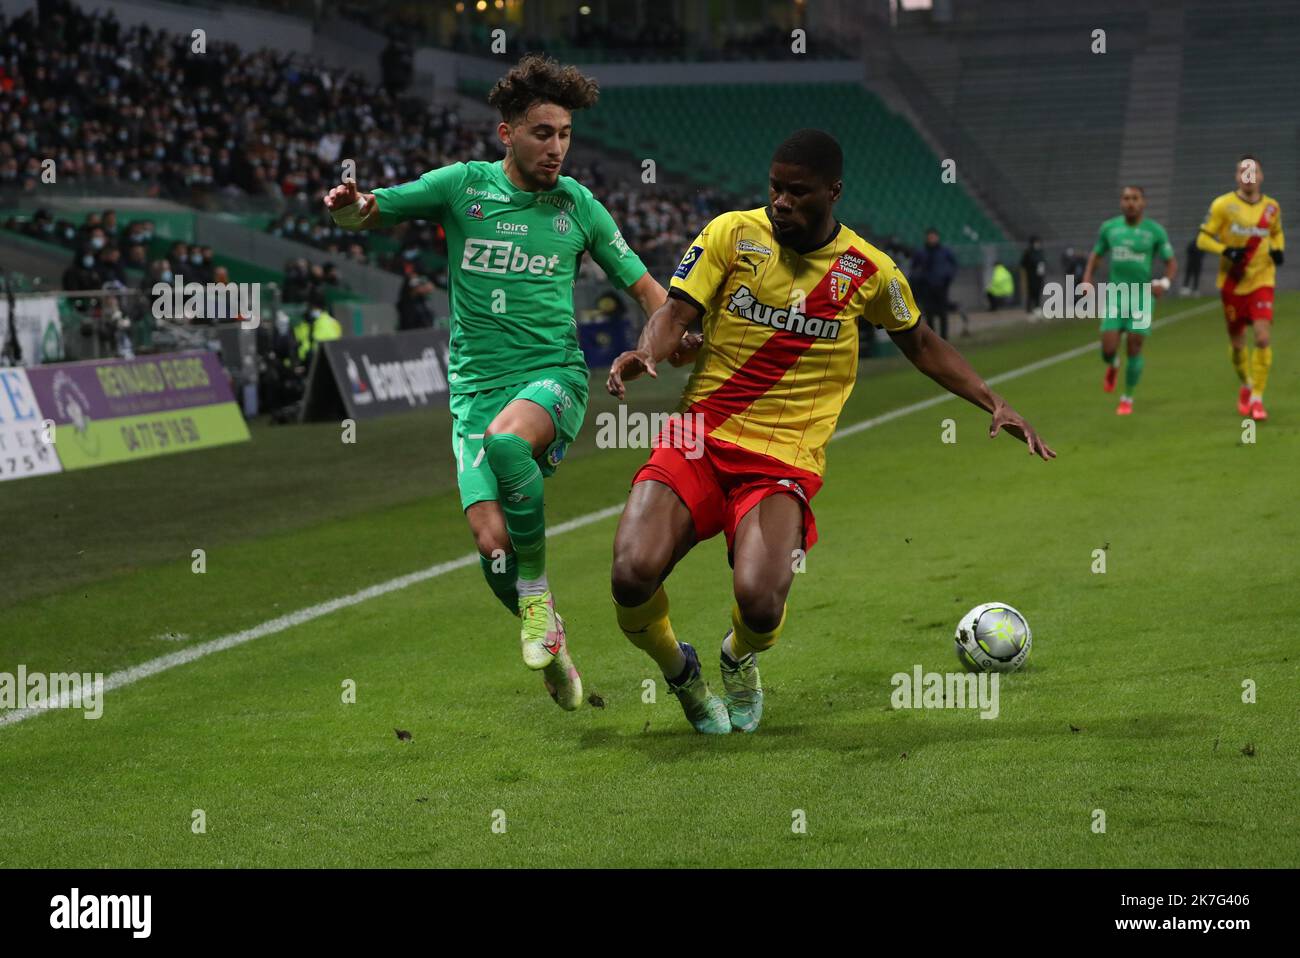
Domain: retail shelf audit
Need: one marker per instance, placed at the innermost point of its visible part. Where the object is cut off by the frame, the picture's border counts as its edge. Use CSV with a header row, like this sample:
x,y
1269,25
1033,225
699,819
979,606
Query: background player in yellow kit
x,y
780,289
1245,228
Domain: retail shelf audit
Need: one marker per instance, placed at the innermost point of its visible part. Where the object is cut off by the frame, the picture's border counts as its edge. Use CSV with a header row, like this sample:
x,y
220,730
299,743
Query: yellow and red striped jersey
x,y
780,351
1255,226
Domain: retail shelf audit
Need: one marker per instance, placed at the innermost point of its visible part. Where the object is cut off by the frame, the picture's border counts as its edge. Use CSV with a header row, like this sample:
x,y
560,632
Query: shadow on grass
x,y
885,735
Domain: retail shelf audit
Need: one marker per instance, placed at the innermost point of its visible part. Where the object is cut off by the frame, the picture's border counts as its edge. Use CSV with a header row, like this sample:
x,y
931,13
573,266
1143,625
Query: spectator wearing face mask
x,y
137,256
406,261
109,265
330,276
282,226
197,270
414,311
159,271
82,275
179,256
89,229
41,226
66,234
133,236
94,239
297,281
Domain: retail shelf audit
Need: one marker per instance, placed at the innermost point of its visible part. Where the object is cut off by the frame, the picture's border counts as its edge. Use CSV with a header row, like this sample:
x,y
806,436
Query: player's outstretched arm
x,y
352,209
1171,272
1207,238
935,357
662,337
1093,262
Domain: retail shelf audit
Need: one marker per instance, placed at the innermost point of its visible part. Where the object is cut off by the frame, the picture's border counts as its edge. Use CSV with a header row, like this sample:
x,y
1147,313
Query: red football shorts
x,y
724,481
1242,308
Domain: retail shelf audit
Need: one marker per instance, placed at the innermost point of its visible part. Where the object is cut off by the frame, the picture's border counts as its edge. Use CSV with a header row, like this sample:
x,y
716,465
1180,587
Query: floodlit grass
x,y
1131,703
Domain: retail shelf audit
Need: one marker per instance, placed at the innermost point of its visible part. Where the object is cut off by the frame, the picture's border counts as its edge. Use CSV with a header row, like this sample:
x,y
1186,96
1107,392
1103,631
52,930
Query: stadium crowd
x,y
135,110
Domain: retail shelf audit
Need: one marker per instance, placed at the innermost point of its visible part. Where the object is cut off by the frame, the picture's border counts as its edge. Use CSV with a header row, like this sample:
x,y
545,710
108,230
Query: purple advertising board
x,y
116,410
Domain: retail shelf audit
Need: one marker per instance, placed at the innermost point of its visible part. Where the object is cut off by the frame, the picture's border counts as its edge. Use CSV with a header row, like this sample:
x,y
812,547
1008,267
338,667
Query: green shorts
x,y
1125,323
561,391
1124,313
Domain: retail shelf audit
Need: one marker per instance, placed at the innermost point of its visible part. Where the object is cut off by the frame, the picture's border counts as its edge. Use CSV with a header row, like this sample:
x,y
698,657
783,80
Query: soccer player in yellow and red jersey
x,y
1245,228
780,289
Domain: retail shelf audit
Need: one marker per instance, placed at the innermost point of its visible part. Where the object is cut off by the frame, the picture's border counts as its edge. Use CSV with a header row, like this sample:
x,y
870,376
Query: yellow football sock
x,y
1260,361
746,640
1241,363
647,627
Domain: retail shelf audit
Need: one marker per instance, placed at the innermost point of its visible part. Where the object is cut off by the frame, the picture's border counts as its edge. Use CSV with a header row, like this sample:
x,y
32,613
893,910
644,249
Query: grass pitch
x,y
1131,703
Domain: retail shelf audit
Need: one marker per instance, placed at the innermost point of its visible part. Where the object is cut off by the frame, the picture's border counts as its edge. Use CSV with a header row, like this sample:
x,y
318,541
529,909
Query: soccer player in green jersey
x,y
1125,307
516,232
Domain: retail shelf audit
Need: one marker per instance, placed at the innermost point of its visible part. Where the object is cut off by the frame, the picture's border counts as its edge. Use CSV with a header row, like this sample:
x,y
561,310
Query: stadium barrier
x,y
69,416
365,377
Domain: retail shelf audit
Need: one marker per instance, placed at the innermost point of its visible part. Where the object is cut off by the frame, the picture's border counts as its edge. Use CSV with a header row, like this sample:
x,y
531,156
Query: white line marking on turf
x,y
185,656
1083,350
161,664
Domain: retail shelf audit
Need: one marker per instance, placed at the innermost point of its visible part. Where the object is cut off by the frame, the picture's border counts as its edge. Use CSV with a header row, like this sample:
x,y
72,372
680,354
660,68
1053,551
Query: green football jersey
x,y
512,259
1131,248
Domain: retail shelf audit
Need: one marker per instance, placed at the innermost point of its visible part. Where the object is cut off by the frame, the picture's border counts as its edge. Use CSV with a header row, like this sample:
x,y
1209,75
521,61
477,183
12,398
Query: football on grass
x,y
993,637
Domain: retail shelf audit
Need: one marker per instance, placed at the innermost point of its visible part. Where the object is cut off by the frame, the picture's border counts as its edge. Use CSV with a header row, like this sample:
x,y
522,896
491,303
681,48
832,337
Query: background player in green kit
x,y
516,232
1131,242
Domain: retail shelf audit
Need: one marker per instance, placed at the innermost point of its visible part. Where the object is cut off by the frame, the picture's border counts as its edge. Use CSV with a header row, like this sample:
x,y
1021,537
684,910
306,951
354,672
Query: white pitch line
x,y
183,657
1003,377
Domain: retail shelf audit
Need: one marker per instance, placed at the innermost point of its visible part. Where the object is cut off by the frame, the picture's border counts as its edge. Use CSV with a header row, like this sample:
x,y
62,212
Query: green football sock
x,y
1133,372
520,482
502,583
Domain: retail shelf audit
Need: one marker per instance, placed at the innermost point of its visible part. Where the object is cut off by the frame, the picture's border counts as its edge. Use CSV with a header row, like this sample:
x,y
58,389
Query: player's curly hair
x,y
540,79
814,150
